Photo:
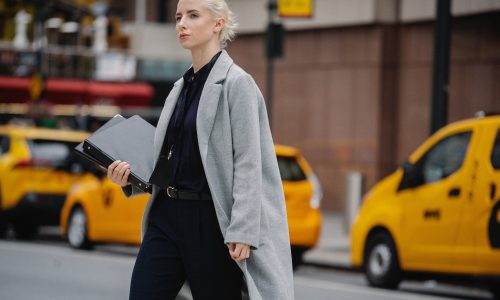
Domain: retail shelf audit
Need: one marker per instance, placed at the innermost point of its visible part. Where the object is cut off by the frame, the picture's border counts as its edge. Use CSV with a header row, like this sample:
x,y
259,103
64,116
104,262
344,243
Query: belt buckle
x,y
170,188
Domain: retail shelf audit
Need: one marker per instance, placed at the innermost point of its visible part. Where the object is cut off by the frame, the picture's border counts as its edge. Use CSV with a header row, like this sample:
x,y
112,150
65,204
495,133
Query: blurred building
x,y
353,90
83,52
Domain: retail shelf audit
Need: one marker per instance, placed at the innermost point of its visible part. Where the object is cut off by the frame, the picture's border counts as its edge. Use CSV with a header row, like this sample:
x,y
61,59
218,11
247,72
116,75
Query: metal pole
x,y
354,195
272,7
140,11
269,89
440,90
39,32
39,40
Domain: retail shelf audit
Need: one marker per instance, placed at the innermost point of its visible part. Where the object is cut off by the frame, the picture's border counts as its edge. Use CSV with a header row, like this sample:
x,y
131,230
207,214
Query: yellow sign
x,y
295,8
36,86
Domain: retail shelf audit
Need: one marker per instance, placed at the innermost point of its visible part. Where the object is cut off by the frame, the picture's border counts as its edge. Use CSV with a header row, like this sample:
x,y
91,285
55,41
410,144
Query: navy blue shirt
x,y
182,138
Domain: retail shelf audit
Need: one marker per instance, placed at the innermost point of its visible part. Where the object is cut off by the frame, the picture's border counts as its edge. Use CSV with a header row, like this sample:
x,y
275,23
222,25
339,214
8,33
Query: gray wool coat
x,y
239,159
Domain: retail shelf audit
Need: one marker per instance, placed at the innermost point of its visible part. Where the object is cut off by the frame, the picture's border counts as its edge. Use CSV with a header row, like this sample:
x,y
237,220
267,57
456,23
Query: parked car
x,y
37,169
97,211
438,216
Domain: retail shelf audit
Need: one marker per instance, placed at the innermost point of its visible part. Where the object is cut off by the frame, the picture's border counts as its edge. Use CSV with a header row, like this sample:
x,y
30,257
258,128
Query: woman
x,y
216,216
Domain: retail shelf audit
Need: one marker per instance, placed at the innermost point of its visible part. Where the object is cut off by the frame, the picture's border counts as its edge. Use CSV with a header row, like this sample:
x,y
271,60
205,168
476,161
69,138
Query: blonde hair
x,y
220,9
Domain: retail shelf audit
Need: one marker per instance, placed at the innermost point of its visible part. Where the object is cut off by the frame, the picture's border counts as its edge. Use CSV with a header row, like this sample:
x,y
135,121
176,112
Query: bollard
x,y
354,193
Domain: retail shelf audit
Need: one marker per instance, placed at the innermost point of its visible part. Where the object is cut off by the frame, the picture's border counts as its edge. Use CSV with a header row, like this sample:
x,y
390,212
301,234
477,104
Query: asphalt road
x,y
48,269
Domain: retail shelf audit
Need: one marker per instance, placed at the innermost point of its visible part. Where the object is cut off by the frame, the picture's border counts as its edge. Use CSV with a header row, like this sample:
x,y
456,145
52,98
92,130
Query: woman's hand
x,y
118,172
239,251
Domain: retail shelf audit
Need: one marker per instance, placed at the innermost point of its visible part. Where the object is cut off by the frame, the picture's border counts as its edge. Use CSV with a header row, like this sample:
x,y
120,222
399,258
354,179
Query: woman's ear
x,y
219,25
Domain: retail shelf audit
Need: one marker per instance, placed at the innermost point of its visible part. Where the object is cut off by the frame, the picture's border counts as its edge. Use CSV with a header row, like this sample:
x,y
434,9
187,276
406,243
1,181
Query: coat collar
x,y
220,68
206,110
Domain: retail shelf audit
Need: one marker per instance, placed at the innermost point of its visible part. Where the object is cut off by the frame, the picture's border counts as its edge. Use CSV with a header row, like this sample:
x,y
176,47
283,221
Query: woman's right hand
x,y
118,172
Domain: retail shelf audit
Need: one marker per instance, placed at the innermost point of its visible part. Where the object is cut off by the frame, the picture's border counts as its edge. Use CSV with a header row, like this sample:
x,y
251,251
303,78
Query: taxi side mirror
x,y
411,176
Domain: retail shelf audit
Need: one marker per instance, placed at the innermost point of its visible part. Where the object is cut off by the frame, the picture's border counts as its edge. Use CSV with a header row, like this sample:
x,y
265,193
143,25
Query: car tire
x,y
297,256
25,231
4,225
77,233
3,228
495,291
381,263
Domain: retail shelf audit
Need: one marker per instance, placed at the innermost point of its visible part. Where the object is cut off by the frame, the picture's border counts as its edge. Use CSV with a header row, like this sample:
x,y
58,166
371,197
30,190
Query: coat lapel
x,y
168,108
209,101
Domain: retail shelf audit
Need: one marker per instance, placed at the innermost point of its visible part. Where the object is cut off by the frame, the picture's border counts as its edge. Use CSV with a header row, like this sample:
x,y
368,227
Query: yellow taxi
x,y
37,169
97,211
438,215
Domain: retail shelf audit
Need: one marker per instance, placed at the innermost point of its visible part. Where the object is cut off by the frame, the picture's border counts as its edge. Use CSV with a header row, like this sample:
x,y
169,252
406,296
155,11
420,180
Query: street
x,y
48,269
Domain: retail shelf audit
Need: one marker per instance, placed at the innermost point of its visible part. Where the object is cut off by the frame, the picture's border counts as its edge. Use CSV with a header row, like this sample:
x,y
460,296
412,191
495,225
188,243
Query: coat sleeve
x,y
244,226
131,191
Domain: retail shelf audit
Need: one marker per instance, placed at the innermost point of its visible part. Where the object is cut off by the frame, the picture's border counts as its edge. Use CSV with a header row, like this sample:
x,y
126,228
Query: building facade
x,y
354,93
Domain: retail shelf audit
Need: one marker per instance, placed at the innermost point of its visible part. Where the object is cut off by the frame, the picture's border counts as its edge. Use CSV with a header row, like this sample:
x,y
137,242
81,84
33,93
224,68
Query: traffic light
x,y
274,40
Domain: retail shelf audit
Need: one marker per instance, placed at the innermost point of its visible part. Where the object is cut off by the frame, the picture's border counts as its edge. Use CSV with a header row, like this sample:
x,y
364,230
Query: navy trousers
x,y
183,242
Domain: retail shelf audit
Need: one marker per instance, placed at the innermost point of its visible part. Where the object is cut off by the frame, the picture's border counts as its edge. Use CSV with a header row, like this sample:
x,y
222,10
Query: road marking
x,y
335,286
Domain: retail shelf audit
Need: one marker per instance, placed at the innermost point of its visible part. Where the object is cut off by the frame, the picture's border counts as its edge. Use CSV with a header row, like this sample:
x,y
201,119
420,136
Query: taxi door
x,y
434,206
484,212
135,208
111,213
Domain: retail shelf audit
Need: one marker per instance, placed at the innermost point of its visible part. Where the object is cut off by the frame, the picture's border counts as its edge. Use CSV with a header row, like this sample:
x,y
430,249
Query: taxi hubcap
x,y
76,232
380,260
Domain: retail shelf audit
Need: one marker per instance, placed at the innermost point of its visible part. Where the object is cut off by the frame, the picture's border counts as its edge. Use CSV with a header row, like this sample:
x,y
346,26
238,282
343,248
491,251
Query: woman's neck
x,y
201,57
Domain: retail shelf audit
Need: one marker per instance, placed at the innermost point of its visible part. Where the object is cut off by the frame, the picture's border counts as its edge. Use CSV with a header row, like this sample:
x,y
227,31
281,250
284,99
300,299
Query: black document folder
x,y
79,149
131,140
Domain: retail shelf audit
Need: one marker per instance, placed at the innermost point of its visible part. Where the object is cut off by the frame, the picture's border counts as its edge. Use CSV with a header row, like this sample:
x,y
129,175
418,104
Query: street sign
x,y
295,8
36,86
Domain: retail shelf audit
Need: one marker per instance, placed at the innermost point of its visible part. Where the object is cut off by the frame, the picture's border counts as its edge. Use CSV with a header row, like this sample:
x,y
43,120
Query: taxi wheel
x,y
297,256
77,230
25,231
495,291
3,228
381,261
4,225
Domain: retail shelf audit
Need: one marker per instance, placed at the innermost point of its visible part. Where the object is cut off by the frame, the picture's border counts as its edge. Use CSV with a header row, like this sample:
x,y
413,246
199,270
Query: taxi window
x,y
495,154
4,144
49,153
446,157
289,169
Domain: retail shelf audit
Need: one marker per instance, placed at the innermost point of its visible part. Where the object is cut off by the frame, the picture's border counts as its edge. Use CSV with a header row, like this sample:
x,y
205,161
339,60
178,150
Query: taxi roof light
x,y
482,113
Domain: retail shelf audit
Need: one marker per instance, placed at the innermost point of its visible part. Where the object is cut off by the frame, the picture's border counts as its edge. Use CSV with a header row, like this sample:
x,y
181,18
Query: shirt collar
x,y
202,73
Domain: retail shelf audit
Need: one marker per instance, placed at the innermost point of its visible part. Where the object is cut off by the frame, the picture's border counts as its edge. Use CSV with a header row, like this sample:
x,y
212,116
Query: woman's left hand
x,y
239,251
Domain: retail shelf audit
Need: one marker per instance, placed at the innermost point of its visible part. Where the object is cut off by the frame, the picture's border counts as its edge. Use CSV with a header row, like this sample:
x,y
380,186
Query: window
x,y
290,169
445,158
53,154
4,144
495,154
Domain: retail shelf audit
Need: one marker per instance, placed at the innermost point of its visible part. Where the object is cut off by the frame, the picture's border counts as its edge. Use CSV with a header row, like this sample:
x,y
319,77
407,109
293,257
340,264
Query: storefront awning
x,y
70,91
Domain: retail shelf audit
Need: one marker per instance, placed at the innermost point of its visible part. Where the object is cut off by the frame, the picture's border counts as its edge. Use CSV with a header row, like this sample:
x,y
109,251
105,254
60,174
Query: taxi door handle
x,y
454,192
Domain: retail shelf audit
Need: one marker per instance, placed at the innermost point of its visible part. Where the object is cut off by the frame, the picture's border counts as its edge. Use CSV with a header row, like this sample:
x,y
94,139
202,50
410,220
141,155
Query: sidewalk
x,y
333,249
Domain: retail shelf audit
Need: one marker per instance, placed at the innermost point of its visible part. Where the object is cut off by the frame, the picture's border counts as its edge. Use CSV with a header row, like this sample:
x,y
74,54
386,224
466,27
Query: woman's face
x,y
195,25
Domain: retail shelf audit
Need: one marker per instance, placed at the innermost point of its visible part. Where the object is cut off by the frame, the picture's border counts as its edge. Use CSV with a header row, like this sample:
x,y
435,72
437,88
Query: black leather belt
x,y
174,193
